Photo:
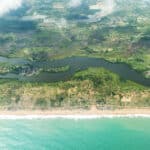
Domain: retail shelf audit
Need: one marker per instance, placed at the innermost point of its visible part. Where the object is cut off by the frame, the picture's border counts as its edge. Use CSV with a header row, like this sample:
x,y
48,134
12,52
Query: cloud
x,y
75,3
8,5
106,7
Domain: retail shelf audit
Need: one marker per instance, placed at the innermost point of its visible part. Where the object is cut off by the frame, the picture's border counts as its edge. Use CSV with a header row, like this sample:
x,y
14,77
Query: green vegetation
x,y
45,30
56,70
123,34
95,86
7,67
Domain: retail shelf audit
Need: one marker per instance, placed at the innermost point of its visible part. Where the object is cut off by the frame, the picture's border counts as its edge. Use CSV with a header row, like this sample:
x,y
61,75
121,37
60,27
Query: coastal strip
x,y
74,117
75,114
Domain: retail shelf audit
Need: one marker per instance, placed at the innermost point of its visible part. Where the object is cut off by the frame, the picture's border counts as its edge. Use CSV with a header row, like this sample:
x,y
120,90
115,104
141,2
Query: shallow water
x,y
75,134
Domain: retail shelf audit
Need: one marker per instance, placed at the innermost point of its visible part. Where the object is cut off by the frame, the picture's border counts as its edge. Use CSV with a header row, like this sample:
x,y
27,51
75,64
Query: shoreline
x,y
75,114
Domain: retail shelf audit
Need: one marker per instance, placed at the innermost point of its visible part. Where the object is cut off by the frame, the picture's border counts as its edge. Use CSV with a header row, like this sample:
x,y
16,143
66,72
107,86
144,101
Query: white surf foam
x,y
8,5
75,117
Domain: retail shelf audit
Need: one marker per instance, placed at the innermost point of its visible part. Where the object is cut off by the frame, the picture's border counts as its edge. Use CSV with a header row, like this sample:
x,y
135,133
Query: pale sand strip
x,y
75,114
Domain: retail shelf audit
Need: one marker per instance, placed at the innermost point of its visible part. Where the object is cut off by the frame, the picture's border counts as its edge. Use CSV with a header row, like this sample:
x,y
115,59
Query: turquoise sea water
x,y
69,134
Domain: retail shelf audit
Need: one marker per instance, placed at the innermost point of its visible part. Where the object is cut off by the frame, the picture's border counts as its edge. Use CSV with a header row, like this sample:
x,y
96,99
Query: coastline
x,y
75,114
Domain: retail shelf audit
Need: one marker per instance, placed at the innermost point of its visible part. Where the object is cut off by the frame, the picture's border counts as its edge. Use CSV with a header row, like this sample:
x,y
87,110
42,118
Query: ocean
x,y
110,133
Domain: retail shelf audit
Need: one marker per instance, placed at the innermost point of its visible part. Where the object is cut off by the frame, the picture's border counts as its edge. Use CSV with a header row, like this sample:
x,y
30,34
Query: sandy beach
x,y
59,113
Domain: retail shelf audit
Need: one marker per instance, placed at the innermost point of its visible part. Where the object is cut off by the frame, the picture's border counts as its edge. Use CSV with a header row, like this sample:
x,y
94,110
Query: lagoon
x,y
75,64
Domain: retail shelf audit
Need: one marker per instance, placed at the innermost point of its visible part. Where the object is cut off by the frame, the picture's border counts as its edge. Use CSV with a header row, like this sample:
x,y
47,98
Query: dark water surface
x,y
76,64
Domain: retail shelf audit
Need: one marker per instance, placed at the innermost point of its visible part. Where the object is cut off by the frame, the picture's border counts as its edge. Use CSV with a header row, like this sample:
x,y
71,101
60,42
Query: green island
x,y
55,54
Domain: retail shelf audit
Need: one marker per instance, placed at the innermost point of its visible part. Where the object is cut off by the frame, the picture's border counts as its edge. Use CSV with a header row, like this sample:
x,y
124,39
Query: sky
x,y
8,5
